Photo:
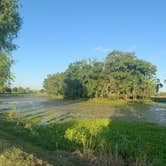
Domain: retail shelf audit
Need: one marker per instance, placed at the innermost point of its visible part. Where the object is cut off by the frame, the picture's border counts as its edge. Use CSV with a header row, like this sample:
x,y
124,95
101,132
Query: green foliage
x,y
86,133
5,74
21,90
12,115
53,84
19,158
23,153
84,79
12,154
10,23
131,77
121,75
127,139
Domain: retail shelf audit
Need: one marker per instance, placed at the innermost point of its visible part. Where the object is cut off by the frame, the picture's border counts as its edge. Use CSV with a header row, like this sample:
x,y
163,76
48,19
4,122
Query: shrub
x,y
87,133
12,115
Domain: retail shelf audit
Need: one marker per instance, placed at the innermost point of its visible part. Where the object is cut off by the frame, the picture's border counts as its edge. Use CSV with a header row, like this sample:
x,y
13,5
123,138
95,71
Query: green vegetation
x,y
16,91
10,23
12,155
121,102
120,76
46,111
143,142
54,84
79,132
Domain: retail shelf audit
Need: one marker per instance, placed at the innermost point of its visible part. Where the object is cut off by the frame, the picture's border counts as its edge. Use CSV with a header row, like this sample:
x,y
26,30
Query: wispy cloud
x,y
103,49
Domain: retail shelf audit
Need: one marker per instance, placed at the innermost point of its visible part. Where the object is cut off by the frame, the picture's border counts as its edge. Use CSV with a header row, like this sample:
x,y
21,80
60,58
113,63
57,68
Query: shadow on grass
x,y
144,142
46,143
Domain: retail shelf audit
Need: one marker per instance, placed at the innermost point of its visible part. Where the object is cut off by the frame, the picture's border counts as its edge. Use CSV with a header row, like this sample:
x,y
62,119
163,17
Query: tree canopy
x,y
54,84
120,75
10,24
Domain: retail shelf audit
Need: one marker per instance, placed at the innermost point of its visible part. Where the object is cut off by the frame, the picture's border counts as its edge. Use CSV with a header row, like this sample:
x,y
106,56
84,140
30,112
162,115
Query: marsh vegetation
x,y
43,110
93,132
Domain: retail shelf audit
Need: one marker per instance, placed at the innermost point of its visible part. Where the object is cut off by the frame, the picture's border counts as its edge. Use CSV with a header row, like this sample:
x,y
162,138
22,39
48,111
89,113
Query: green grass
x,y
119,102
80,133
16,151
140,141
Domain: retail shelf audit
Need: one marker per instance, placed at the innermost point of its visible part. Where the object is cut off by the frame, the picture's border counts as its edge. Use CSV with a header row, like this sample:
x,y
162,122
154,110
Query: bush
x,y
87,133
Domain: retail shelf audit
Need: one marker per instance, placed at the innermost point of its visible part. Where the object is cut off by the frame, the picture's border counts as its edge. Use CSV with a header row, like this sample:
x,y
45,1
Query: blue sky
x,y
56,33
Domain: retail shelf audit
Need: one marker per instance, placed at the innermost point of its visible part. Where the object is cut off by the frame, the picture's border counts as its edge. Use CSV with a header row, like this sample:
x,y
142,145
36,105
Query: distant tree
x,y
75,80
28,90
121,75
158,85
21,90
84,79
130,76
42,91
8,90
53,84
15,90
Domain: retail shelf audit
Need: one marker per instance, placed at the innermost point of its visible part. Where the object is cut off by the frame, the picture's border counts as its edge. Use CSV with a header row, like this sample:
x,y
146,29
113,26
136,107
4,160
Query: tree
x,y
158,85
5,74
54,84
10,24
75,80
84,79
130,76
121,75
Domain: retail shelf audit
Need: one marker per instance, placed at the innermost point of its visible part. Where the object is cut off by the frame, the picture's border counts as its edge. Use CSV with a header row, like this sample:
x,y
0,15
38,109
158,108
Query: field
x,y
41,131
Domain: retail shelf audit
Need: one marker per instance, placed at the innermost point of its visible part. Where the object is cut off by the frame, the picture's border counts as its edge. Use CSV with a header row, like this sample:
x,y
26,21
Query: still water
x,y
48,111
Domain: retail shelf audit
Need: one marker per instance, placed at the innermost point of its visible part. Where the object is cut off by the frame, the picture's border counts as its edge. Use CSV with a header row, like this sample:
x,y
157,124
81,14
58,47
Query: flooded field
x,y
42,110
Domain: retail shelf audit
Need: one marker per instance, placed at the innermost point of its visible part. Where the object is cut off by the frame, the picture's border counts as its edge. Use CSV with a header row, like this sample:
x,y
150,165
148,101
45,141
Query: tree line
x,y
18,90
119,75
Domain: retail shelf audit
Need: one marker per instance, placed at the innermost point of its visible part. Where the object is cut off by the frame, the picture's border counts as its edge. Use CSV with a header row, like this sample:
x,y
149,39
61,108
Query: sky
x,y
57,32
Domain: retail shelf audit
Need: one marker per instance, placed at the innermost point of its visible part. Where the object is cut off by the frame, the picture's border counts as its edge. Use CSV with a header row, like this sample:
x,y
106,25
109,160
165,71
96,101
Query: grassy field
x,y
131,142
92,133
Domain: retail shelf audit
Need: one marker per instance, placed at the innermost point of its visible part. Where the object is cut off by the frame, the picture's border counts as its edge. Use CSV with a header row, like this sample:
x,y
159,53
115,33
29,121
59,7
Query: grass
x,y
12,153
143,142
119,102
15,151
80,133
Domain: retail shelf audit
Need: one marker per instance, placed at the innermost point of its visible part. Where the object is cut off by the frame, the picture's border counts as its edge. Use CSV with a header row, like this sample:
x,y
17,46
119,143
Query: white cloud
x,y
103,50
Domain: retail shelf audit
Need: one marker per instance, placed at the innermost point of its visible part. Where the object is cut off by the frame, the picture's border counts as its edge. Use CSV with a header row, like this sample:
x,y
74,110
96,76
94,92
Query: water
x,y
44,110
